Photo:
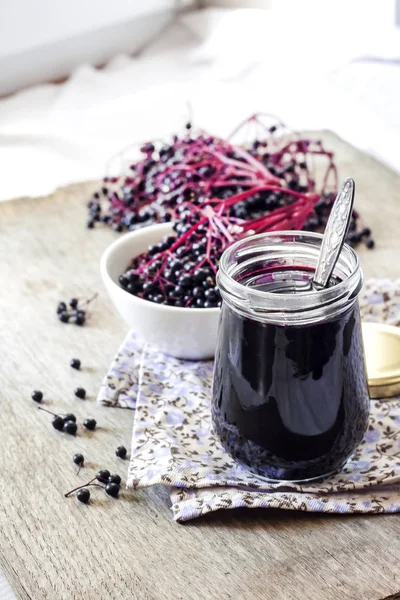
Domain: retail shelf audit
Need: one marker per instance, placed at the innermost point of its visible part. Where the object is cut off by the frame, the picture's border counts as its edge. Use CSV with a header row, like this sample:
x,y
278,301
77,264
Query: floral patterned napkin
x,y
173,444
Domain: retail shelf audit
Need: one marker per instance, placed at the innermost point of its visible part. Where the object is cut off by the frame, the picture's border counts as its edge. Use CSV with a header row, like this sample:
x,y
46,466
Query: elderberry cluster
x,y
75,312
67,423
72,315
182,278
111,484
152,189
196,169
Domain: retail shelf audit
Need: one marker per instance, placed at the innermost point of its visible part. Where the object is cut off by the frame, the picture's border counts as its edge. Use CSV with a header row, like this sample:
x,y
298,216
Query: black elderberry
x,y
37,395
103,475
79,318
70,427
176,265
70,417
112,489
73,302
133,288
178,291
185,281
114,479
201,274
212,295
58,422
180,251
148,286
198,248
198,292
189,265
123,281
75,363
83,495
64,317
152,250
121,452
80,393
78,459
90,424
61,307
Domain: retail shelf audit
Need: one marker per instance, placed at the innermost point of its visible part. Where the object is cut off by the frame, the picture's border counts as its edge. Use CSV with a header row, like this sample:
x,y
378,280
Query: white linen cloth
x,y
228,64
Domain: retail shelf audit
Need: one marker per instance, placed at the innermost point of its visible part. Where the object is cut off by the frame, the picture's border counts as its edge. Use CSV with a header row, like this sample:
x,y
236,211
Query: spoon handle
x,y
335,233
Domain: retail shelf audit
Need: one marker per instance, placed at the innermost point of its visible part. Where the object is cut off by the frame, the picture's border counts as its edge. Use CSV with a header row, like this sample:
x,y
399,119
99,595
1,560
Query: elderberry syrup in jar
x,y
290,396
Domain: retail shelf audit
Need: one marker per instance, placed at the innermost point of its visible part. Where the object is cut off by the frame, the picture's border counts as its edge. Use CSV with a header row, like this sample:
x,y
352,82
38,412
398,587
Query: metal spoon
x,y
335,233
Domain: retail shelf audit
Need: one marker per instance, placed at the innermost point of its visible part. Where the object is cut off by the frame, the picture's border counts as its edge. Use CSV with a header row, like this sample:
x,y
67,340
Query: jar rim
x,y
260,301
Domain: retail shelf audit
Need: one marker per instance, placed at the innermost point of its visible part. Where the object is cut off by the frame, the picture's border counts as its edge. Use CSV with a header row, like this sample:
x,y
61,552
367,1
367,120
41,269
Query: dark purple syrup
x,y
291,402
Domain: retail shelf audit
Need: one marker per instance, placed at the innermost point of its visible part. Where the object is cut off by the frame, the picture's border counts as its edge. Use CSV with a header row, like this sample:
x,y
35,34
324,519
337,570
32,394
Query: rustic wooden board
x,y
53,548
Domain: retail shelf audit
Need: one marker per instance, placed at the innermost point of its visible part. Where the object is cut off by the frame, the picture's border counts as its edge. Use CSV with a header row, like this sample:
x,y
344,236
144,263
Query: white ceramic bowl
x,y
189,333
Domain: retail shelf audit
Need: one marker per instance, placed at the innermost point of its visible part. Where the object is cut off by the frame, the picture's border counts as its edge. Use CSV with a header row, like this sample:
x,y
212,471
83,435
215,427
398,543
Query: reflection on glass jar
x,y
290,396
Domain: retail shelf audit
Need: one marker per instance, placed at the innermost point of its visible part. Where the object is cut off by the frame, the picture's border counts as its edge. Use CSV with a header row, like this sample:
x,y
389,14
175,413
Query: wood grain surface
x,y
53,548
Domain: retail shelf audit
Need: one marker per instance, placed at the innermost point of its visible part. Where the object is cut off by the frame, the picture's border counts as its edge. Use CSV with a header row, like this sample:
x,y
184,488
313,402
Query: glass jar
x,y
290,396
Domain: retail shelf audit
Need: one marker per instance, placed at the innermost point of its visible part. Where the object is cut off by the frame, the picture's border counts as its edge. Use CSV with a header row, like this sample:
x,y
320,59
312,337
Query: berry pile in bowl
x,y
189,334
198,194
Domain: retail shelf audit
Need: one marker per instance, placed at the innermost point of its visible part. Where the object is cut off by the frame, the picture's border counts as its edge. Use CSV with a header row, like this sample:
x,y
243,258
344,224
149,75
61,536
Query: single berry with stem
x,y
80,393
80,487
57,420
75,363
103,475
90,424
65,418
78,460
121,452
37,395
83,495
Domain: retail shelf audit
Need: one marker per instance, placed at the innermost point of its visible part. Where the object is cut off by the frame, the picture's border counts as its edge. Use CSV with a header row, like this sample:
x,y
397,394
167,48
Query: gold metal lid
x,y
382,353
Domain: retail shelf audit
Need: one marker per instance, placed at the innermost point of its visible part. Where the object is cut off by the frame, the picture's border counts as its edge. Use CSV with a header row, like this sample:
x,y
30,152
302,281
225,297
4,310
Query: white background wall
x,y
45,40
30,23
42,40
